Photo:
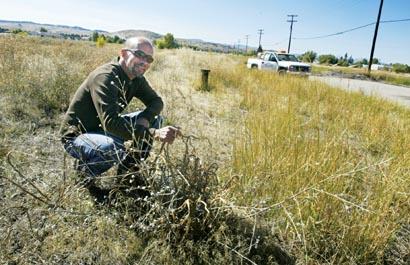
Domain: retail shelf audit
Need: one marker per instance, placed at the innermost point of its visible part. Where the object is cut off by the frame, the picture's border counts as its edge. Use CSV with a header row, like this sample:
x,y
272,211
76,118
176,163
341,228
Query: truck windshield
x,y
287,57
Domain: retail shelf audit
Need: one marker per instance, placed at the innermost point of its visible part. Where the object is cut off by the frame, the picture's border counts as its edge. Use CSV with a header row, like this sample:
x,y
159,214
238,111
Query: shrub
x,y
401,68
101,41
308,56
327,59
166,42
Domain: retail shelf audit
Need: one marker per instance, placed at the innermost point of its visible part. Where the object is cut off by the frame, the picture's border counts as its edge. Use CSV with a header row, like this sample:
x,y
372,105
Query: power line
x,y
396,20
337,33
342,32
352,29
276,43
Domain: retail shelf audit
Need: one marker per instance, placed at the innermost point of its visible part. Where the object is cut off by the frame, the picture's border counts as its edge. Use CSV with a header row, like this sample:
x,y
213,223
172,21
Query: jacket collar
x,y
122,74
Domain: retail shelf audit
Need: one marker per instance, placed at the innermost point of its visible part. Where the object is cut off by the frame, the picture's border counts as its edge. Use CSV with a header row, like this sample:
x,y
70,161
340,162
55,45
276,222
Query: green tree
x,y
308,56
361,62
16,31
116,39
327,59
350,60
95,36
345,60
401,68
43,29
166,42
109,39
375,61
170,40
19,32
342,62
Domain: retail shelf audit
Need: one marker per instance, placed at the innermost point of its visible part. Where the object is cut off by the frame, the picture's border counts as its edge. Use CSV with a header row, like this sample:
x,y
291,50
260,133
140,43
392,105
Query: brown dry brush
x,y
188,217
183,217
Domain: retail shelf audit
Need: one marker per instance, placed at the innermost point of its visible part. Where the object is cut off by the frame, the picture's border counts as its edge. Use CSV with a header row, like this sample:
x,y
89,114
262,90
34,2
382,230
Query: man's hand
x,y
167,134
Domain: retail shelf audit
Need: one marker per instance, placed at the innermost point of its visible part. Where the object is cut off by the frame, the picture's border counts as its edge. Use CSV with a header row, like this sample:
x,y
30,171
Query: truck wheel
x,y
282,72
254,66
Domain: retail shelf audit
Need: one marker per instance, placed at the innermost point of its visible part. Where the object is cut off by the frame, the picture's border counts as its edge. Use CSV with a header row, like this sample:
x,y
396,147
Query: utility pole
x,y
260,32
291,27
246,47
375,37
239,43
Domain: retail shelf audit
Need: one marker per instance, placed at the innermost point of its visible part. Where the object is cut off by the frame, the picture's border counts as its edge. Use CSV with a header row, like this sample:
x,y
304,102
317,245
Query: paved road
x,y
398,94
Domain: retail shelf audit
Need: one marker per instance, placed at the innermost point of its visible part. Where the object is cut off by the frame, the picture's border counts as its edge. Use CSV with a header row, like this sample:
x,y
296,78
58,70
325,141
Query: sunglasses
x,y
142,55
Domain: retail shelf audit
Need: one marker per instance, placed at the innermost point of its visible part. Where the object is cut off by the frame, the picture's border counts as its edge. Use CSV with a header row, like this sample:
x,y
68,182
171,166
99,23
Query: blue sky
x,y
230,20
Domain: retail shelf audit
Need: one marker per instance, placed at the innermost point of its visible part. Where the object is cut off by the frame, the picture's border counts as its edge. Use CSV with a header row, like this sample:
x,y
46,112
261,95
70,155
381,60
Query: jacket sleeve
x,y
105,96
151,100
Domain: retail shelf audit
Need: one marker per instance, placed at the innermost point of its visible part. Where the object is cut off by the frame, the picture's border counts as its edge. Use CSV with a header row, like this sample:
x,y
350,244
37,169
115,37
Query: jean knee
x,y
111,150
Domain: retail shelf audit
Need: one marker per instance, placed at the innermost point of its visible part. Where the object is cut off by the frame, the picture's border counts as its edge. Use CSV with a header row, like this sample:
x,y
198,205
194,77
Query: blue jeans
x,y
97,152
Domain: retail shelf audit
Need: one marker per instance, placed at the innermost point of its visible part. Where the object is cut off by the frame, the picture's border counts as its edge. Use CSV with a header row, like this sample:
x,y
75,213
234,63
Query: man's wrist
x,y
154,133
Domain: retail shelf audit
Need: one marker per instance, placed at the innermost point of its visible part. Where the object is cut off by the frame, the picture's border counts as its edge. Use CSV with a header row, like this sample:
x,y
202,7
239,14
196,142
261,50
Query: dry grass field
x,y
271,169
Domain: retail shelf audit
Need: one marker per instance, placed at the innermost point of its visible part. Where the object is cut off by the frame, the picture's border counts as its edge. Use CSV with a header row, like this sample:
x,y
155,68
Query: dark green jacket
x,y
99,101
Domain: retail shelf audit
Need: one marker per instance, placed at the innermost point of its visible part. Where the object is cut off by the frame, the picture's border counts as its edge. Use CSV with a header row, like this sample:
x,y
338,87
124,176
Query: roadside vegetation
x,y
331,164
271,169
400,79
328,64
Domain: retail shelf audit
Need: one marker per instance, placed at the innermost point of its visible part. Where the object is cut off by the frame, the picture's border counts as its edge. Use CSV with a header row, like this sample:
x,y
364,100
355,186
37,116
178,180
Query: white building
x,y
375,66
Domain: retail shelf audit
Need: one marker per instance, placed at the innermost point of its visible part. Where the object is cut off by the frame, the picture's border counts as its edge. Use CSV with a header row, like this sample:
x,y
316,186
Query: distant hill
x,y
133,32
63,30
56,29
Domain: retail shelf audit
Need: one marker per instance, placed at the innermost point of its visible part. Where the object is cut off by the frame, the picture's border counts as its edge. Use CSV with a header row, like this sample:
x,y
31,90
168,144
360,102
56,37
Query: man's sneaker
x,y
101,196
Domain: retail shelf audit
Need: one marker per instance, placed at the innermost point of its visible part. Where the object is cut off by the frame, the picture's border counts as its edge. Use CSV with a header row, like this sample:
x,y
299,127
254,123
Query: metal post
x,y
246,46
205,75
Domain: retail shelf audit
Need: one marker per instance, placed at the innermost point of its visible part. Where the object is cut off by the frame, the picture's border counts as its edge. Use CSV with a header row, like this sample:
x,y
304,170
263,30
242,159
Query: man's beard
x,y
136,70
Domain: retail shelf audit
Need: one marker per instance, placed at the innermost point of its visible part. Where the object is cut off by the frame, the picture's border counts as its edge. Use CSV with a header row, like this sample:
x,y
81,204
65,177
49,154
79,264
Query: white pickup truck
x,y
279,62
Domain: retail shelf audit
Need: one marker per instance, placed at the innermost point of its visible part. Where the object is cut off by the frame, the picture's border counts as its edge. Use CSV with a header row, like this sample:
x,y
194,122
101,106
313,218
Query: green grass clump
x,y
332,165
